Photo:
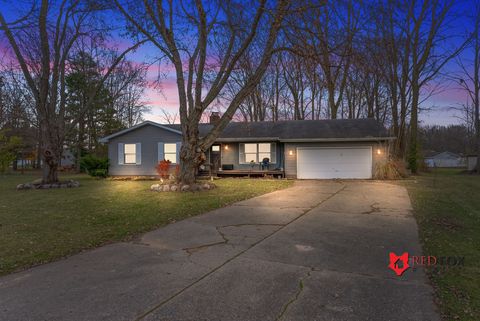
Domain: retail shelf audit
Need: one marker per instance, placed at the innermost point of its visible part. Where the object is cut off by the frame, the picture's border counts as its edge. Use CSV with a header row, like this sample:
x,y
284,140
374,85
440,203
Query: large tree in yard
x,y
204,42
41,43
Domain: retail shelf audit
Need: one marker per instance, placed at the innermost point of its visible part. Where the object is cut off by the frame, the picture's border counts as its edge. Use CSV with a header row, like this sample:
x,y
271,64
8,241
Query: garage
x,y
333,162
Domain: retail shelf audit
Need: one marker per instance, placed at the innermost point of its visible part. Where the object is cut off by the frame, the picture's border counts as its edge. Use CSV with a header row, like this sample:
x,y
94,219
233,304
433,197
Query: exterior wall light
x,y
226,147
290,152
379,151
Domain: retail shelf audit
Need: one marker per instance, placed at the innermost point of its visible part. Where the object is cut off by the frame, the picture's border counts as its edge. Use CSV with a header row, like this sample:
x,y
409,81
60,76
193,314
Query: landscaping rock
x,y
185,188
37,185
155,187
206,186
174,188
166,188
75,183
37,181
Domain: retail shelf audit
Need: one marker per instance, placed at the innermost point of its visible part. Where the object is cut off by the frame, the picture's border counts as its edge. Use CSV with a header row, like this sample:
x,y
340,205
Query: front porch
x,y
251,173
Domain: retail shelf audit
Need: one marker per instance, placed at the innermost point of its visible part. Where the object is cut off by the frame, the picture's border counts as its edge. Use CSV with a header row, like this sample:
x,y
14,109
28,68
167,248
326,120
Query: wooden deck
x,y
251,173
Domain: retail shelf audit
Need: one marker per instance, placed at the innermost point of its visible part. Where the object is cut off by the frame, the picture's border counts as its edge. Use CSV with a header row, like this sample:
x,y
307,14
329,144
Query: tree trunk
x,y
413,148
51,153
50,167
191,157
187,171
191,154
50,173
476,78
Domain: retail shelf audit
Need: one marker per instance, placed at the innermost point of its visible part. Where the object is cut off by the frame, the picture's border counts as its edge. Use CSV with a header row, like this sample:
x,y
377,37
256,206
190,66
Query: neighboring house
x,y
306,149
67,161
471,162
68,158
445,159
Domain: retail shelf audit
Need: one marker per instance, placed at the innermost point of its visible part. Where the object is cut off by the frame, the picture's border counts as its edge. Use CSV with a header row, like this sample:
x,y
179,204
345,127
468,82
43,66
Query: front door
x,y
215,157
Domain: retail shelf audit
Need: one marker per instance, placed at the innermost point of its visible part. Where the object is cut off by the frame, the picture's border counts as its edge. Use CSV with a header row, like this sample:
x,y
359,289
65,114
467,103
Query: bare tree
x,y
168,116
41,42
425,24
205,44
470,81
326,35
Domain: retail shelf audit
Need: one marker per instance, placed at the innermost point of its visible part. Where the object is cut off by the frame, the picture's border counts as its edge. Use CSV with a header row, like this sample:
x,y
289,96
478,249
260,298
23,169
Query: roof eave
x,y
105,139
247,139
319,140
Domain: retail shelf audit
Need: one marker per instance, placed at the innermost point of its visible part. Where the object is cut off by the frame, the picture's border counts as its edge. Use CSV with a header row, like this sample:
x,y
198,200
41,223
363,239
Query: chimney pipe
x,y
214,117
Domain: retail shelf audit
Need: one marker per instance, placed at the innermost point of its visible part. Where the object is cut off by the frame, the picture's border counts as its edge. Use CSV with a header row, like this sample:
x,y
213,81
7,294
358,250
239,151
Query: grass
x,y
447,208
39,226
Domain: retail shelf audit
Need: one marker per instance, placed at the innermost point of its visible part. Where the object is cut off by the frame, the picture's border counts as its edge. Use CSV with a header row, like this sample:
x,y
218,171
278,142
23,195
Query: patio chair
x,y
265,163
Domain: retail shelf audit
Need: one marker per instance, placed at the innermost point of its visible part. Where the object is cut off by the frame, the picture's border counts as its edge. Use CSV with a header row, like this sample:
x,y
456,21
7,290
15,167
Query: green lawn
x,y
38,226
447,209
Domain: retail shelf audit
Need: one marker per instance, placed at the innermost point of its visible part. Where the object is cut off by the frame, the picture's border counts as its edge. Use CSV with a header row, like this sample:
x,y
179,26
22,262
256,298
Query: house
x,y
68,159
304,149
471,162
445,159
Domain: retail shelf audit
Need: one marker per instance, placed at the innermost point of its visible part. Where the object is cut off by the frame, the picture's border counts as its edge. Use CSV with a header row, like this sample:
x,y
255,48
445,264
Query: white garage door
x,y
348,162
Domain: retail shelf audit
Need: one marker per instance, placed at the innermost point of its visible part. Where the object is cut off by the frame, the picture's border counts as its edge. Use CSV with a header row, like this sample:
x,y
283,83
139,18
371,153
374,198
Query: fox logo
x,y
399,264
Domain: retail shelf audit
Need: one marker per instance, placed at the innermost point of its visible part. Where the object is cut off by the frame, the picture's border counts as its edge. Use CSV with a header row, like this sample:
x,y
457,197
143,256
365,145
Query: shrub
x,y
94,166
391,169
163,168
9,147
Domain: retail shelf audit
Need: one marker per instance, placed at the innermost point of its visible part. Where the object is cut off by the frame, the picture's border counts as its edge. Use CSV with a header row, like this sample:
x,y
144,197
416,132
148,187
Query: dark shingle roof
x,y
301,129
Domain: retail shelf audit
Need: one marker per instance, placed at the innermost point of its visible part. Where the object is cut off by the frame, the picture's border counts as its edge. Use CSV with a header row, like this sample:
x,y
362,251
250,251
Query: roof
x,y
444,155
148,122
290,130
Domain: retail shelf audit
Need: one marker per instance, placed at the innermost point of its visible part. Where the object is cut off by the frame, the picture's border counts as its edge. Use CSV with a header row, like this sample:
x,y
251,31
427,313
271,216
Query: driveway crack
x,y
249,224
295,297
374,208
160,304
193,249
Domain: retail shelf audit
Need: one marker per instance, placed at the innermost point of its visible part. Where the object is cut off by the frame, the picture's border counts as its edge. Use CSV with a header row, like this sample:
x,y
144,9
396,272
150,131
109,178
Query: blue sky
x,y
440,106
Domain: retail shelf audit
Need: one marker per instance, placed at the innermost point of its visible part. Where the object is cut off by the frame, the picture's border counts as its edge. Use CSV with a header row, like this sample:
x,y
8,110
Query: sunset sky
x,y
441,106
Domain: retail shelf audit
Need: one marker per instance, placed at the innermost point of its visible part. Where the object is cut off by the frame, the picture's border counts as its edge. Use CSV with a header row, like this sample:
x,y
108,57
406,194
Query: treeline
x,y
453,138
349,59
252,60
95,91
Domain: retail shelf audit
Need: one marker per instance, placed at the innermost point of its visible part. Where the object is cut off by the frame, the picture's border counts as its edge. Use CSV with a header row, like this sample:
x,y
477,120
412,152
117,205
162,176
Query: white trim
x,y
148,122
240,162
314,140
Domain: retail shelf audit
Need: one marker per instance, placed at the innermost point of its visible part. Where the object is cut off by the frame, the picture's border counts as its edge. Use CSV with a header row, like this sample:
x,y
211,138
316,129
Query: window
x,y
251,153
257,152
215,148
264,152
129,151
170,151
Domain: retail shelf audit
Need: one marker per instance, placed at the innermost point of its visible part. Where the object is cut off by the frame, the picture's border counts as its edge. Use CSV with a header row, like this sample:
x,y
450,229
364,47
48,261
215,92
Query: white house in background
x,y
445,159
471,162
68,158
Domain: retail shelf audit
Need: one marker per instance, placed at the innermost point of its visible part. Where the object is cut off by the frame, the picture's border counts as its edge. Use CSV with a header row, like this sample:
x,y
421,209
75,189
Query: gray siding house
x,y
445,159
304,149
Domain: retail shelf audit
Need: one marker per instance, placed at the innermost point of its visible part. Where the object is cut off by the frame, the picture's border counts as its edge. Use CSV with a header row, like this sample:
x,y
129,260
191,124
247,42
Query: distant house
x,y
471,162
445,159
68,158
305,149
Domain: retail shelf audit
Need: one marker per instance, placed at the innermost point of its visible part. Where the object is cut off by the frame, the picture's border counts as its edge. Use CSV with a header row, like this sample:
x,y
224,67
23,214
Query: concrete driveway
x,y
316,251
